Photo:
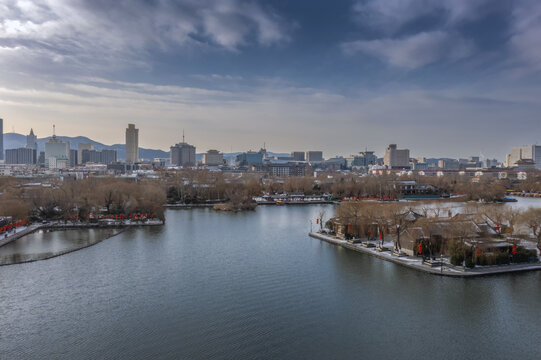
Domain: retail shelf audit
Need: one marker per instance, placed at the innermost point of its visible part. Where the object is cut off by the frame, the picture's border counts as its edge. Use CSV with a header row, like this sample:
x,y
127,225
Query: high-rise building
x,y
21,156
297,156
57,153
74,157
314,156
395,158
41,158
132,144
526,152
213,158
108,156
32,140
80,148
1,139
183,154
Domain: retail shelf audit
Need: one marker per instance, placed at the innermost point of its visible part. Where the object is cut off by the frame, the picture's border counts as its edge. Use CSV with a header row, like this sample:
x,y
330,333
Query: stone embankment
x,y
417,263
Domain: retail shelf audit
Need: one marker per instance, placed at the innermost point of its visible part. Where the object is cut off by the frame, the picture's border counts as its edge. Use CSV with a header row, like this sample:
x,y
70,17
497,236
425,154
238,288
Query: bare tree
x,y
532,219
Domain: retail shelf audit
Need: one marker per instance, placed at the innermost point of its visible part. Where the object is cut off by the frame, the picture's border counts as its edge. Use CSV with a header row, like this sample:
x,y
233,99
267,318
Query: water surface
x,y
252,285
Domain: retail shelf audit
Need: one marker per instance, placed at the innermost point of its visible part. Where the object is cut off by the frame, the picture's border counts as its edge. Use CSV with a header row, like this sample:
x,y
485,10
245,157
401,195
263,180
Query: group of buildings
x,y
58,154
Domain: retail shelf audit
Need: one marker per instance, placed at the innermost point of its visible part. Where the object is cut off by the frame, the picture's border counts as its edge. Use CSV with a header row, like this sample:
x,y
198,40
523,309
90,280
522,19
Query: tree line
x,y
79,199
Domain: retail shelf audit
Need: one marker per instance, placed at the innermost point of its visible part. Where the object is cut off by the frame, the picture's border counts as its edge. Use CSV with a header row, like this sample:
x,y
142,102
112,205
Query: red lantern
x,y
420,249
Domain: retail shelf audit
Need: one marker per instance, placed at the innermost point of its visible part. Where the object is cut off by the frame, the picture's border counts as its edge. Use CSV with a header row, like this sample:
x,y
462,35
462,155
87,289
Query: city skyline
x,y
380,153
373,73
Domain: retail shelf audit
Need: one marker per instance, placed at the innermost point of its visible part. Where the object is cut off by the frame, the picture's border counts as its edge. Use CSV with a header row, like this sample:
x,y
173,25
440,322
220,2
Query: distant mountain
x,y
14,141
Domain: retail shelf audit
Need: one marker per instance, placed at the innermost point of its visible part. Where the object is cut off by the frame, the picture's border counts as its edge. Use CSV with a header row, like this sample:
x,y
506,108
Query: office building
x,y
395,158
99,157
132,144
213,158
526,152
490,163
314,156
21,156
298,156
1,139
183,154
250,158
41,158
57,153
74,154
284,169
80,148
363,159
448,164
108,156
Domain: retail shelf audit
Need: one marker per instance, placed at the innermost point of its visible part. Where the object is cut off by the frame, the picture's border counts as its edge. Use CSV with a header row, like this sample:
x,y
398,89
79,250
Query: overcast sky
x,y
440,77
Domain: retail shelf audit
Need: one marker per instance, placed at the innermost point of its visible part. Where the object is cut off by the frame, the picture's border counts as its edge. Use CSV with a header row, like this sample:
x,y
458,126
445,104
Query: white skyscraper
x,y
57,153
132,144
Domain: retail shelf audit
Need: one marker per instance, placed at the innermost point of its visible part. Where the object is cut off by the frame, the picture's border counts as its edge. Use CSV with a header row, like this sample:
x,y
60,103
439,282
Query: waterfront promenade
x,y
417,263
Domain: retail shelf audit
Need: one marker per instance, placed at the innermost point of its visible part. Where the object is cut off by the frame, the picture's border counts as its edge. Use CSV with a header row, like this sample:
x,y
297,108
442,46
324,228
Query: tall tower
x,y
132,144
32,140
1,139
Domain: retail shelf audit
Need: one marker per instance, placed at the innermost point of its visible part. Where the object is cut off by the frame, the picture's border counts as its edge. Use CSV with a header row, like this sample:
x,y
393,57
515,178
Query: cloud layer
x,y
414,33
101,32
245,72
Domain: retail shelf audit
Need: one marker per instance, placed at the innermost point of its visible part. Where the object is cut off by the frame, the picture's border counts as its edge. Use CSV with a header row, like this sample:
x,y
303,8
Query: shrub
x,y
501,258
457,259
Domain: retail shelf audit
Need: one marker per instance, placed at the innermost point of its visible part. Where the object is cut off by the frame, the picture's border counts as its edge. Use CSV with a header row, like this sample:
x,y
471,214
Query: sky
x,y
441,77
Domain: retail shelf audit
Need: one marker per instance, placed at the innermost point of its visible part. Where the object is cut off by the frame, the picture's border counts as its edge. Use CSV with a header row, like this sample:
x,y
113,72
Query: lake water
x,y
253,285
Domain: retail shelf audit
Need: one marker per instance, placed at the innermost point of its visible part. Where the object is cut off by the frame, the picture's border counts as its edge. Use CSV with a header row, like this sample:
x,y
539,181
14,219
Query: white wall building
x,y
395,158
526,152
57,153
213,158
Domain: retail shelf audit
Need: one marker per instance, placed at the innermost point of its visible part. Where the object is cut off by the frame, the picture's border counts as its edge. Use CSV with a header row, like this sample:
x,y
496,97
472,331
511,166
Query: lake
x,y
253,285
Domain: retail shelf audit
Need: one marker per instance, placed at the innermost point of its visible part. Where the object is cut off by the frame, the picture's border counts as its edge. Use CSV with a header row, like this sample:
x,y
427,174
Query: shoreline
x,y
65,252
416,263
62,227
